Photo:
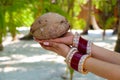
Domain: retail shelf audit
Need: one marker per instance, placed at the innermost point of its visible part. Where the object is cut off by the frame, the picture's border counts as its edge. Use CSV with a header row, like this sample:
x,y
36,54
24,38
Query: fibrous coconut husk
x,y
49,26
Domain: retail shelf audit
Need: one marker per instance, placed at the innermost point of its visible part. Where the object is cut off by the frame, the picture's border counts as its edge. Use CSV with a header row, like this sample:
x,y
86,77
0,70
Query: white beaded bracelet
x,y
76,39
89,44
81,64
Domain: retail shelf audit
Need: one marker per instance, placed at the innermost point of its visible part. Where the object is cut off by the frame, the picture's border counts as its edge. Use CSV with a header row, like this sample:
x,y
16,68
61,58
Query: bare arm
x,y
105,55
103,69
97,66
97,52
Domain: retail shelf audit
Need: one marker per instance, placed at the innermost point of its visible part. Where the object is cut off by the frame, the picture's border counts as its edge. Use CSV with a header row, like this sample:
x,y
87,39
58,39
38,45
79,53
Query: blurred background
x,y
21,58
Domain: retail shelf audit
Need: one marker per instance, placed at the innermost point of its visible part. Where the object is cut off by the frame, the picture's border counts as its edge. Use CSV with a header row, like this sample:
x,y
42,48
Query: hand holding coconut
x,y
51,26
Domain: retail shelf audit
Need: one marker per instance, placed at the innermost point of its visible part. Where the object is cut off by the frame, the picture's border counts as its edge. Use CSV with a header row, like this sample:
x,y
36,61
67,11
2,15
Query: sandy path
x,y
26,60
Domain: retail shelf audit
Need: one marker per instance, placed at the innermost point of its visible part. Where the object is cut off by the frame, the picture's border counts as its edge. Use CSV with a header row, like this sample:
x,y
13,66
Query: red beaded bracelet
x,y
75,60
82,45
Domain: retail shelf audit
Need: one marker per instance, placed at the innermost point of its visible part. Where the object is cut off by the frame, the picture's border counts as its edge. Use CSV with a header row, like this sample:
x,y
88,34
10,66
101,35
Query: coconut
x,y
49,26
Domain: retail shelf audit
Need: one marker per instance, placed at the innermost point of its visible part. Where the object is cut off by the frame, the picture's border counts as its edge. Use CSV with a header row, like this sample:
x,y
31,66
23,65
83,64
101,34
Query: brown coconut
x,y
49,26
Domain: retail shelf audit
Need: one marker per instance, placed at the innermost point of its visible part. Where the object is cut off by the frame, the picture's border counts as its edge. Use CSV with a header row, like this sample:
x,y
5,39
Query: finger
x,y
65,40
49,48
59,40
62,39
40,41
51,44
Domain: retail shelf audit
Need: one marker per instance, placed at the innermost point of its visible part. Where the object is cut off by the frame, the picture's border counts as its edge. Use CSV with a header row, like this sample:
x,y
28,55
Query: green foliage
x,y
15,13
106,18
105,5
2,22
77,8
71,73
78,23
50,7
110,21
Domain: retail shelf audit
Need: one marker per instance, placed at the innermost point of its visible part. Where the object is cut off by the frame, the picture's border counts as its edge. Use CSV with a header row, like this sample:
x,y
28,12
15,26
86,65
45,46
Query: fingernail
x,y
46,43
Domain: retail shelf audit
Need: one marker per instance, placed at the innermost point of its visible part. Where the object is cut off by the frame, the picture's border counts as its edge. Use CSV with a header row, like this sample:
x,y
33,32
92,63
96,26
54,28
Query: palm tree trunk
x,y
1,45
117,47
94,23
2,26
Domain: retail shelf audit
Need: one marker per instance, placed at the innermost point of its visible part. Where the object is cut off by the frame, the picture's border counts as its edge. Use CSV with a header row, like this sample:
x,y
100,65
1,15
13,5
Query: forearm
x,y
103,69
105,55
86,47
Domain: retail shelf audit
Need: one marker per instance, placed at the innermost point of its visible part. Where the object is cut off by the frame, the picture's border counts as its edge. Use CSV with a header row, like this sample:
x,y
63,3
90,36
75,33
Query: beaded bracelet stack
x,y
78,54
76,60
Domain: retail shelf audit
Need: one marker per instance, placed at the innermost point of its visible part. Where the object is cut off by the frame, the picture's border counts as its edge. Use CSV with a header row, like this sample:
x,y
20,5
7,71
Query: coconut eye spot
x,y
62,22
45,20
39,22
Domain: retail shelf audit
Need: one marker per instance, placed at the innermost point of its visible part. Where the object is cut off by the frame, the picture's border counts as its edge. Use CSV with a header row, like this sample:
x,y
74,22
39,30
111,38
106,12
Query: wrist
x,y
82,44
75,40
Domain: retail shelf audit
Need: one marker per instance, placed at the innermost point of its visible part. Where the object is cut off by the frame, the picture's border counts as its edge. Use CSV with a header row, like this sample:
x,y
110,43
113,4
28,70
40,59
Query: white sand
x,y
26,60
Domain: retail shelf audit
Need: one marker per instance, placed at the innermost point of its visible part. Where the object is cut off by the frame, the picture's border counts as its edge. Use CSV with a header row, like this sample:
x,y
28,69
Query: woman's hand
x,y
66,39
59,48
59,45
